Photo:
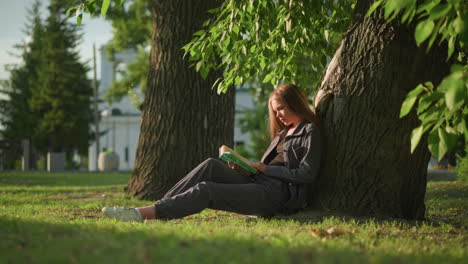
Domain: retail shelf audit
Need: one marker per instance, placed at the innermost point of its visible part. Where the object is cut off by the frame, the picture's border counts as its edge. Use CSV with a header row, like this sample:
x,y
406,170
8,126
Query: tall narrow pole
x,y
96,112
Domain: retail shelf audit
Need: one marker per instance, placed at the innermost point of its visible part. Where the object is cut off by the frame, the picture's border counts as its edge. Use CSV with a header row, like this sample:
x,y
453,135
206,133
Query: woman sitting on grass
x,y
282,182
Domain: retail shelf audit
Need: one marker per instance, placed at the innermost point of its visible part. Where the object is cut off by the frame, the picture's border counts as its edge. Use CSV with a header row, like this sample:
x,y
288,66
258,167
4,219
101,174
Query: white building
x,y
121,121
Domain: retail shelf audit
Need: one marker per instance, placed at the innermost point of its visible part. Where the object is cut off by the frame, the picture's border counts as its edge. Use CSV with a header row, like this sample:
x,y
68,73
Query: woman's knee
x,y
211,162
203,185
204,188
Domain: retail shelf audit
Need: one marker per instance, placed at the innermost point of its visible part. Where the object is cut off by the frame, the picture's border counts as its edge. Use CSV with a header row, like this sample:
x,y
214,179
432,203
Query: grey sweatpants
x,y
214,185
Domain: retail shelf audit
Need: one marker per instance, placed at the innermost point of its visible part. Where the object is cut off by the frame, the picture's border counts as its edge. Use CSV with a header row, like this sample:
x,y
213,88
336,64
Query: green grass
x,y
55,218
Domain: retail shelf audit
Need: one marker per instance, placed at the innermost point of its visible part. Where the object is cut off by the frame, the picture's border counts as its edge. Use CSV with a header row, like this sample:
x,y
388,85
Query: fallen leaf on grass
x,y
334,231
318,232
330,232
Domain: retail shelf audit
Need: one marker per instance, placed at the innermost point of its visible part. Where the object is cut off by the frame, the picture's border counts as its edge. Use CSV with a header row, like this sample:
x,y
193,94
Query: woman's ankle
x,y
147,212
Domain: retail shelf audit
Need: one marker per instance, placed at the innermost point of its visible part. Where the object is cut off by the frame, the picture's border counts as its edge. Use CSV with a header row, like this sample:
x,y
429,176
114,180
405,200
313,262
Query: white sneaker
x,y
124,214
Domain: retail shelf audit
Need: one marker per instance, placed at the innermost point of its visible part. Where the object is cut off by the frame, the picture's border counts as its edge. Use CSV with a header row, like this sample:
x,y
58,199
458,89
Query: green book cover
x,y
229,155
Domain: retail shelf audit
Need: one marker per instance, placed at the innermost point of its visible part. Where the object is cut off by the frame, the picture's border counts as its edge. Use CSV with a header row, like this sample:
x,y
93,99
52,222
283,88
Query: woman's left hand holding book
x,y
238,168
259,166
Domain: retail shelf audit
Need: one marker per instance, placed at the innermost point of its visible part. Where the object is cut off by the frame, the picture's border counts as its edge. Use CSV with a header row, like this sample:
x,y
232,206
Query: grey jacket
x,y
302,153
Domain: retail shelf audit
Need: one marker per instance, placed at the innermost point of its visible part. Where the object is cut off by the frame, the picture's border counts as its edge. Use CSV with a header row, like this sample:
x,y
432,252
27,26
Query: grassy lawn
x,y
55,218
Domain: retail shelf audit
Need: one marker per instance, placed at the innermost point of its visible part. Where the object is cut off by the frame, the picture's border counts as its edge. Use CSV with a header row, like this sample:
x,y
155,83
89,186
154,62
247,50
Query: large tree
x,y
368,166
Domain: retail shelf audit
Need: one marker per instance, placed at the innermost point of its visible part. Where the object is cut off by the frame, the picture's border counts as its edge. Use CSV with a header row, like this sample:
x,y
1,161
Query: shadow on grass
x,y
447,191
31,241
63,179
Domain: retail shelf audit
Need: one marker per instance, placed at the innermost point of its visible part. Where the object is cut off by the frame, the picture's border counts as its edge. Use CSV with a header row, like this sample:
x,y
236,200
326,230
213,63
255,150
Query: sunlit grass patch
x,y
57,218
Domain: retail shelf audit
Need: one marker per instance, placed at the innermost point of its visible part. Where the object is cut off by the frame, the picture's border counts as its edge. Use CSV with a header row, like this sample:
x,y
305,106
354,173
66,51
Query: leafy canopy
x,y
264,39
132,25
272,40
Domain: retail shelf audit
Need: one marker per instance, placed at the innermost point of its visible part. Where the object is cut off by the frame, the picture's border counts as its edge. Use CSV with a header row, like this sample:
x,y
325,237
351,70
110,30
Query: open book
x,y
229,155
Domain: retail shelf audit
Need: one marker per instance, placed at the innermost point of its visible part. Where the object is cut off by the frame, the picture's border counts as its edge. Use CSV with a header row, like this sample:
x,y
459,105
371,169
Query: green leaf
x,y
423,30
104,7
204,72
431,115
236,29
416,137
410,100
427,6
428,99
455,91
456,67
451,138
79,18
262,63
429,86
373,7
199,32
393,7
439,11
69,10
237,80
451,47
465,129
458,25
253,48
215,83
220,87
443,143
198,66
433,143
90,8
460,127
408,16
267,78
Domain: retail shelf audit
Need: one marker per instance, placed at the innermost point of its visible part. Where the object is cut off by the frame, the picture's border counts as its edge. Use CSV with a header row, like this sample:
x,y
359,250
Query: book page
x,y
225,148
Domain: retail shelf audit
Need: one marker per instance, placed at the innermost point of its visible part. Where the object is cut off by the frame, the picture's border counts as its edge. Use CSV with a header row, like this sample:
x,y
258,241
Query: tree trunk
x,y
368,168
184,121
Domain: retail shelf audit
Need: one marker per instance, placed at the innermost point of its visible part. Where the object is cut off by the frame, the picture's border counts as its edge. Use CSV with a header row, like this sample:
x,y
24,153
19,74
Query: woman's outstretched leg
x,y
210,170
249,199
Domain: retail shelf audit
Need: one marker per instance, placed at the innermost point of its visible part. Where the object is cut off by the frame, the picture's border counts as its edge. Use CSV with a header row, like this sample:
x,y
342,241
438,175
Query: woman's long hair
x,y
295,100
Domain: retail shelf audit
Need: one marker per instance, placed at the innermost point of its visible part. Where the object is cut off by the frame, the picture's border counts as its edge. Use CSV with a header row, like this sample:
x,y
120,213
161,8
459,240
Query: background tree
x,y
49,97
17,118
61,95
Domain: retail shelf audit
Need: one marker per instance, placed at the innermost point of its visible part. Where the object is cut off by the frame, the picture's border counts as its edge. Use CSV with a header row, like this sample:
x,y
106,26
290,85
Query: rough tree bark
x,y
183,121
368,168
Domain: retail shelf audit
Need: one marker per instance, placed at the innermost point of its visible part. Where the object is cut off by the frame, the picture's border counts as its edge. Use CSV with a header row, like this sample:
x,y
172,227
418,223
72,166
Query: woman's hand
x,y
236,167
259,166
